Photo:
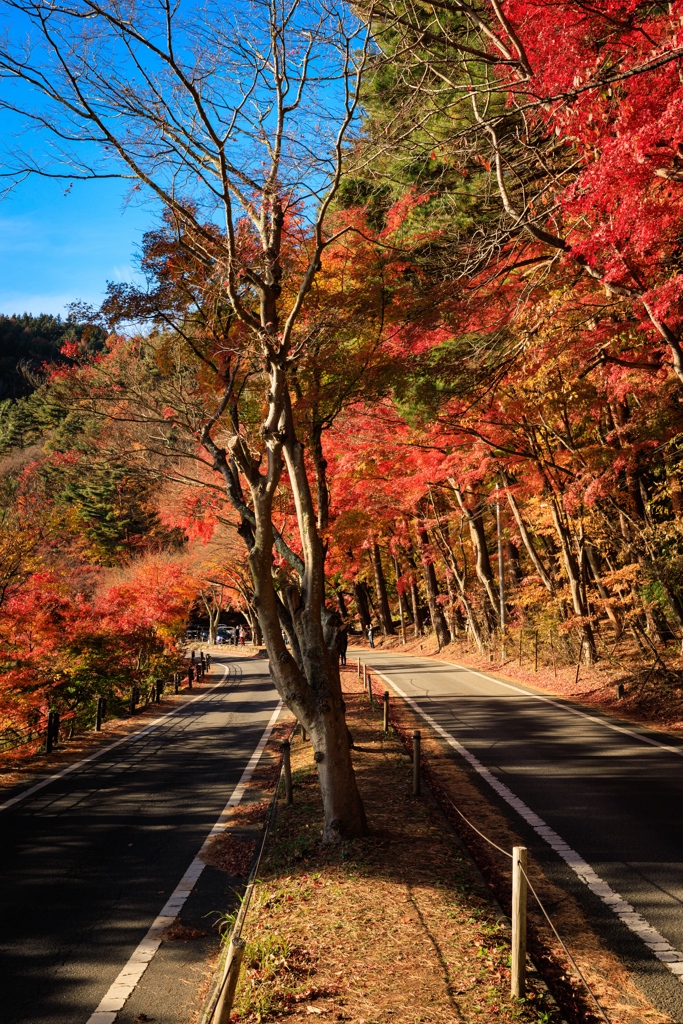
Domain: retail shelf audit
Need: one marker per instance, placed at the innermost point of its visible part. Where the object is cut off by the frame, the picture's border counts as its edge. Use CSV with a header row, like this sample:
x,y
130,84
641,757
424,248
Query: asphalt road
x,y
608,800
88,862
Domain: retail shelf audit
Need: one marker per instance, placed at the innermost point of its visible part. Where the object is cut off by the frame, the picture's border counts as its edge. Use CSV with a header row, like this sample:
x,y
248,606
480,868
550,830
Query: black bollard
x,y
133,700
287,770
55,729
176,681
101,712
48,734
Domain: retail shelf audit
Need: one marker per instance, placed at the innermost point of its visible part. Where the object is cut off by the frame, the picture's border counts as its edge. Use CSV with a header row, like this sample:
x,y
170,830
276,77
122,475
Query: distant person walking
x,y
343,643
371,636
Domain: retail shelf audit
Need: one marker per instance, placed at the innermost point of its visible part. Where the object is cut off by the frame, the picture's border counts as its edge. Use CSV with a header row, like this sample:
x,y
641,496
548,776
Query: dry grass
x,y
395,927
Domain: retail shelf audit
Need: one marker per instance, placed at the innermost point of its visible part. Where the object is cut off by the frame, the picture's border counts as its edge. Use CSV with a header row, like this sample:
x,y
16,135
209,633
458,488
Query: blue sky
x,y
57,248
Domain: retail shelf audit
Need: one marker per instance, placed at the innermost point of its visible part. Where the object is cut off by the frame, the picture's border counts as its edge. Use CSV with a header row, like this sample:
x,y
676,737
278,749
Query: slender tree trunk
x,y
417,612
612,613
362,605
437,615
528,542
512,555
381,590
481,553
573,572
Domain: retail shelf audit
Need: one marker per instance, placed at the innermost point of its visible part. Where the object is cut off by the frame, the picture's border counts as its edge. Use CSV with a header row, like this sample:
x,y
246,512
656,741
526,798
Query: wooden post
x,y
385,722
519,888
176,681
365,677
101,713
536,651
578,663
416,762
521,634
359,668
287,769
370,689
552,652
55,728
133,700
48,734
232,973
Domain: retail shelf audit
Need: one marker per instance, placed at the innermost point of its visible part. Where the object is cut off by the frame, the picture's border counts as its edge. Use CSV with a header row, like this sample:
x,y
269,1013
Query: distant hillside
x,y
27,343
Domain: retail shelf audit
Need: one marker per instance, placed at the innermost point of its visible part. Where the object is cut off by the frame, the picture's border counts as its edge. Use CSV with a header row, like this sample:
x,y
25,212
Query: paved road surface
x,y
88,862
605,797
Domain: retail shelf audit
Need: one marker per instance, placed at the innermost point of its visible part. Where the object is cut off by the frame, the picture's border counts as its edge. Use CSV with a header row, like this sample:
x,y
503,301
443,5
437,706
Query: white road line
x,y
128,978
103,750
556,703
655,942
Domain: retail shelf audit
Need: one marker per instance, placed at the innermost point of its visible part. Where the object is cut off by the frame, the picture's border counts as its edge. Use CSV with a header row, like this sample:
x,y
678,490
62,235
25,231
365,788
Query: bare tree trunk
x,y
527,541
573,572
341,603
613,615
362,605
381,589
437,615
481,553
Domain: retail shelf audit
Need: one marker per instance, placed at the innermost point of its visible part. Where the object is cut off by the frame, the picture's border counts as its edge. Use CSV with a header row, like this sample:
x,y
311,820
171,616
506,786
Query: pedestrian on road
x,y
343,635
190,676
371,636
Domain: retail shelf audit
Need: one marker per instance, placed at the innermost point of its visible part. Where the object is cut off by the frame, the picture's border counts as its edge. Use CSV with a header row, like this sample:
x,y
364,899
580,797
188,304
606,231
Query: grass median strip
x,y
397,926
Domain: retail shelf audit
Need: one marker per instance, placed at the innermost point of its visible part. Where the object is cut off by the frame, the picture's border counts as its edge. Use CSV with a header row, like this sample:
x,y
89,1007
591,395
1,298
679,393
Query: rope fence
x,y
520,878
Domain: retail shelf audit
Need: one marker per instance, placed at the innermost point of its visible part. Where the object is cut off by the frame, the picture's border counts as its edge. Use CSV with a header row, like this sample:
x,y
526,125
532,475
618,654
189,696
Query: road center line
x,y
634,921
131,738
129,977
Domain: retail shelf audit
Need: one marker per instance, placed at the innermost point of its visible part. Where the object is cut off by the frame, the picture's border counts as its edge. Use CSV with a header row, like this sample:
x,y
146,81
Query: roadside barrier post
x,y
160,690
519,895
55,729
385,721
232,973
416,762
133,700
365,677
48,734
359,666
176,681
370,689
536,651
287,769
101,712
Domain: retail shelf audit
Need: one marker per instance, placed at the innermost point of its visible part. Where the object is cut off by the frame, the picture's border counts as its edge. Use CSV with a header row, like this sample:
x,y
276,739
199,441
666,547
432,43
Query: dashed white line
x,y
128,978
634,921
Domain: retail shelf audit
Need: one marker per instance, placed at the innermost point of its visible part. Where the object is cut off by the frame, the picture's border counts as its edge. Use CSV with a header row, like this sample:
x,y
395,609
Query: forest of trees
x,y
418,273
